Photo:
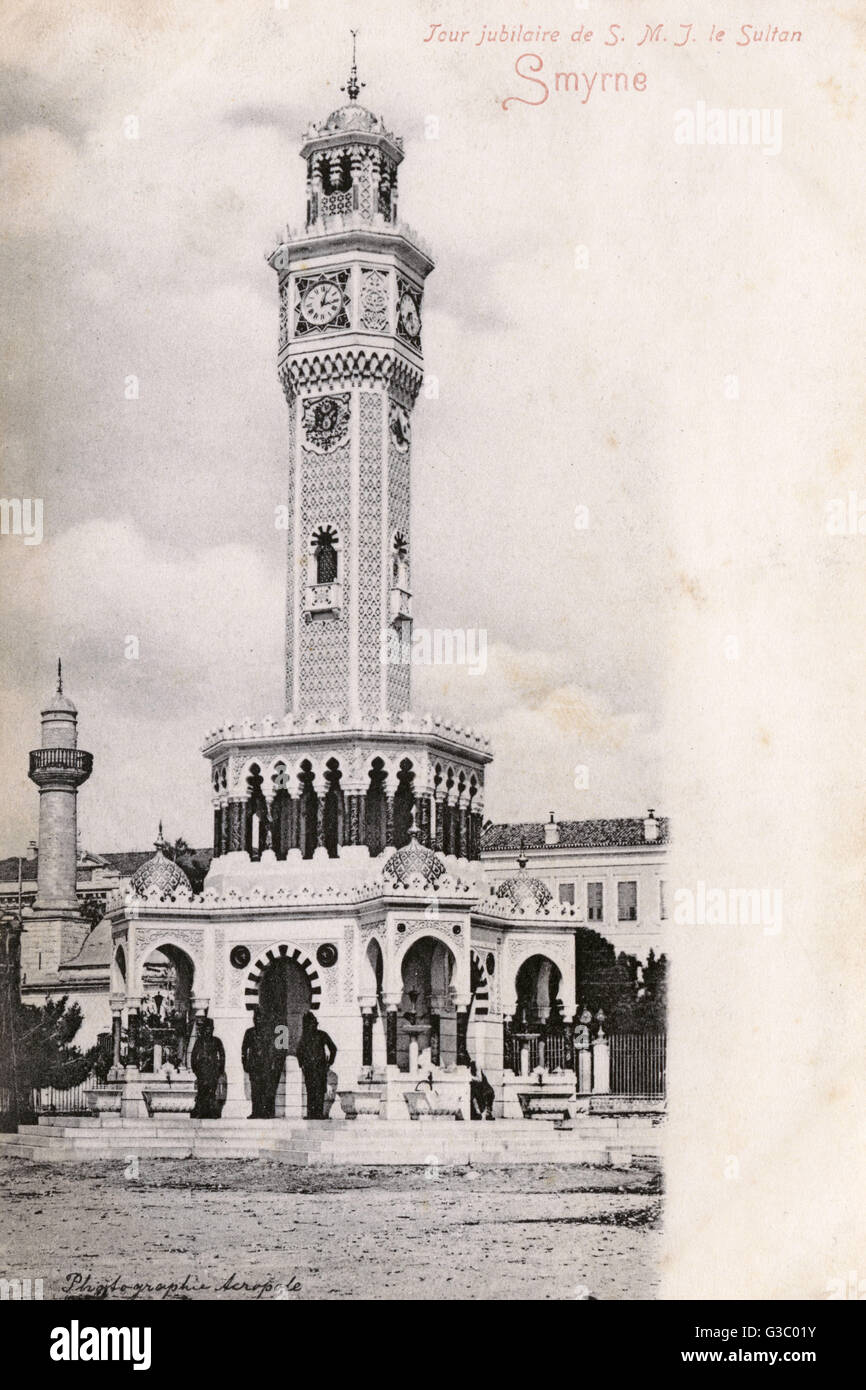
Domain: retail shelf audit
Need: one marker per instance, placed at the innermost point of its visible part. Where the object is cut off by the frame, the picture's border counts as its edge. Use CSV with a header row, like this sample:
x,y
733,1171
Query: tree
x,y
94,910
609,982
195,869
43,1053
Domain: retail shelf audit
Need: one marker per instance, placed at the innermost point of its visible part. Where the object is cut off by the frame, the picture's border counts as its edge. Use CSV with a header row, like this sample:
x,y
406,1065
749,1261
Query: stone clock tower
x,y
340,774
351,289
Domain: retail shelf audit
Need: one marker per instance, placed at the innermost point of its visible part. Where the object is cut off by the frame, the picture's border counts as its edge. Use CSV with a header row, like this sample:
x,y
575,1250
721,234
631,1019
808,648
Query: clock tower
x,y
351,290
347,769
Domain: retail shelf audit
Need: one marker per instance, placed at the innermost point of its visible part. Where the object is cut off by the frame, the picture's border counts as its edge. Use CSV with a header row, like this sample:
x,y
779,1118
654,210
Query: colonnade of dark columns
x,y
457,827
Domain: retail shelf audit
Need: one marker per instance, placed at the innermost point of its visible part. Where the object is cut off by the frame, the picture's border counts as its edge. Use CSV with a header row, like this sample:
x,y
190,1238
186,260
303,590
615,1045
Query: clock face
x,y
321,304
409,316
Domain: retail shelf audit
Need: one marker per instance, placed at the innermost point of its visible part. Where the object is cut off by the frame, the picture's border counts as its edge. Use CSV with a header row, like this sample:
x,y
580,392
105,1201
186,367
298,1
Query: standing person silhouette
x,y
208,1062
316,1054
256,1059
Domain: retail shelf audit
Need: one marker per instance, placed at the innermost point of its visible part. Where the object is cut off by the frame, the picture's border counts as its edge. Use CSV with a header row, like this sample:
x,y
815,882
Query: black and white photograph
x,y
431,862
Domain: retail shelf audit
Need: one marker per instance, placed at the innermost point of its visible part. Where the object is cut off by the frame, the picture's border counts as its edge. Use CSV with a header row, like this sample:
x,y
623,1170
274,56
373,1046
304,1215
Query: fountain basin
x,y
427,1105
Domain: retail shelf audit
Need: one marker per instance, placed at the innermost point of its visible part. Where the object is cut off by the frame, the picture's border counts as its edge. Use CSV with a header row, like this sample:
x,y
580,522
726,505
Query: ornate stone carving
x,y
326,422
219,938
400,426
374,301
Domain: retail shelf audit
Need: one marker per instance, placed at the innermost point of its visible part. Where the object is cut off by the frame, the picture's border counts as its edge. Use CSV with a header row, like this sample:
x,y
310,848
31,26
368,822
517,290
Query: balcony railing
x,y
401,604
47,759
323,598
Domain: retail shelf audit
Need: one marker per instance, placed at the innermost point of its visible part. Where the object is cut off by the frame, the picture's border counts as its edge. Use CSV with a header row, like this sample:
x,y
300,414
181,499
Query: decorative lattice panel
x,y
323,647
291,606
370,617
399,675
374,301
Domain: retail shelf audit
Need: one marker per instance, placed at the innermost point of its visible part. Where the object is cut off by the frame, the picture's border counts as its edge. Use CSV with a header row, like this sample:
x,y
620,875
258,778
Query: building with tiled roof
x,y
609,871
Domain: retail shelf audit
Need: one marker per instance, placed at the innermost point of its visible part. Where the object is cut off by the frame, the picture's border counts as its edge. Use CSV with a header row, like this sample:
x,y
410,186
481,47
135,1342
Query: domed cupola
x,y
414,862
529,895
160,875
352,161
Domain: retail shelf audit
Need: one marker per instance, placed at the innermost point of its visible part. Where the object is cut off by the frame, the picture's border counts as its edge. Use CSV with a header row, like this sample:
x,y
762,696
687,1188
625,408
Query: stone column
x,y
368,1013
474,835
600,1064
391,1035
116,1003
133,1020
436,842
583,1055
389,821
236,811
507,1049
462,1034
435,1039
424,819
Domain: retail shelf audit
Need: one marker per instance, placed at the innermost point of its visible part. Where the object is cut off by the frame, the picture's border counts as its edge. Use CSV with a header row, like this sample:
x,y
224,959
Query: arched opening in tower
x,y
332,814
376,808
404,800
309,810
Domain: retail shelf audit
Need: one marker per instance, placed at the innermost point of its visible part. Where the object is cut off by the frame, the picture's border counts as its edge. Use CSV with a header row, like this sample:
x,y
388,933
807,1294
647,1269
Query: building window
x,y
595,902
326,556
663,899
566,893
627,901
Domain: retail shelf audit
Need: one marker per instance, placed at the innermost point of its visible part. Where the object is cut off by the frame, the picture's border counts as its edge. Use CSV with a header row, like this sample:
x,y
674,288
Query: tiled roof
x,y
126,863
573,834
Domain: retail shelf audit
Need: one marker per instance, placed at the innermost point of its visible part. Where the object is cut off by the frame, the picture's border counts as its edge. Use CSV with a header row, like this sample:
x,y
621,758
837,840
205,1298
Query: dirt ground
x,y
262,1229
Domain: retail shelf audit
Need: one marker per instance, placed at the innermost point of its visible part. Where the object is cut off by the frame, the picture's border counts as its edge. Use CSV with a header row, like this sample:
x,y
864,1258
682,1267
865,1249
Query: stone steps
x,y
592,1141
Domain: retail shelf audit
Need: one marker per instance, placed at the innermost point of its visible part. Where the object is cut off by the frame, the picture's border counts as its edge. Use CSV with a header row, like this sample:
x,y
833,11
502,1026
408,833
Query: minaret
x,y
58,768
349,359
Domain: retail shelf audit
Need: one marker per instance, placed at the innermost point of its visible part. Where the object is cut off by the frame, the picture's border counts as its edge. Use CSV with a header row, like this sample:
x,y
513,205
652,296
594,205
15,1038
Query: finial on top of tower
x,y
159,842
353,86
59,677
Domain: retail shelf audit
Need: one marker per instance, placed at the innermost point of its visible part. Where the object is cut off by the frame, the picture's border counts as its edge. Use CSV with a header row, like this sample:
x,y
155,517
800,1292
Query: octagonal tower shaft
x,y
351,287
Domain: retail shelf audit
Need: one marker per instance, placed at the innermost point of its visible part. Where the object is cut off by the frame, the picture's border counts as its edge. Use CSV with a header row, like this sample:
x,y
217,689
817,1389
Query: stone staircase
x,y
599,1140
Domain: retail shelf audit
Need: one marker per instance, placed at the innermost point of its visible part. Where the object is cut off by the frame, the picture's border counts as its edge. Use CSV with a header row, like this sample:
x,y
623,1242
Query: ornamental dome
x,y
414,859
160,873
58,703
352,117
524,892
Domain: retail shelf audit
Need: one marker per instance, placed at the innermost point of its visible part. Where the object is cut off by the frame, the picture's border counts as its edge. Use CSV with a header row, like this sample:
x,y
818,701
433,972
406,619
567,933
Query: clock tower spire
x,y
349,358
339,773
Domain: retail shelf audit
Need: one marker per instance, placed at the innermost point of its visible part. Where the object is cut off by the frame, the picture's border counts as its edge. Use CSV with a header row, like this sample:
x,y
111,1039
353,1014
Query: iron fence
x,y
51,1100
637,1064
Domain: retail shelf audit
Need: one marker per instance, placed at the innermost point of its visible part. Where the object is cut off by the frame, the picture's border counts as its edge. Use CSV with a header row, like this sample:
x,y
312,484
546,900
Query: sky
x,y
150,159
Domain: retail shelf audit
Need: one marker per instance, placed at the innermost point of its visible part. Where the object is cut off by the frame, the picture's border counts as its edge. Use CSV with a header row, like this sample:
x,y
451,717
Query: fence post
x,y
600,1064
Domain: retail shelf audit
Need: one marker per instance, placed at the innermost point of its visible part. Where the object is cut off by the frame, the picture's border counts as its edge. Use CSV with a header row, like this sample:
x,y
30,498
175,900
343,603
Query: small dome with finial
x,y
528,894
160,874
414,861
59,703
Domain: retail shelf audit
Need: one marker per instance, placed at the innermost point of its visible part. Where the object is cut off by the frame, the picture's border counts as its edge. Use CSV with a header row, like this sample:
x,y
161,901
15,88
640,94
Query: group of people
x,y
264,1052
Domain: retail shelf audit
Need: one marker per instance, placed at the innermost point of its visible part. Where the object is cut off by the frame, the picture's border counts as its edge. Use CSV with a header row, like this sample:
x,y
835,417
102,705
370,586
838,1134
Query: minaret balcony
x,y
401,604
70,766
322,600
